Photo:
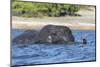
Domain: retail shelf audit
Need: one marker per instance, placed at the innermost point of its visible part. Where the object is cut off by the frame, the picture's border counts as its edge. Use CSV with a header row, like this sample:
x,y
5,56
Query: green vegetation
x,y
31,9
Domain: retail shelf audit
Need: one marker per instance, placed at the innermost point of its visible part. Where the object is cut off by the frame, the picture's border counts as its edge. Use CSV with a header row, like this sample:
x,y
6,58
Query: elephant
x,y
28,37
53,34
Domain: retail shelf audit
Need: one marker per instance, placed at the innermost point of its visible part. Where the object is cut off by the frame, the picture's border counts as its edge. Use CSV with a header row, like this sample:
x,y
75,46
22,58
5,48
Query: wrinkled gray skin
x,y
55,34
49,34
28,37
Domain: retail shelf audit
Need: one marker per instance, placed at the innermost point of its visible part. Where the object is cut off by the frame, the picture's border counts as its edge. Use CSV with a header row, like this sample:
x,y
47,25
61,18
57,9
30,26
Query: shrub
x,y
30,9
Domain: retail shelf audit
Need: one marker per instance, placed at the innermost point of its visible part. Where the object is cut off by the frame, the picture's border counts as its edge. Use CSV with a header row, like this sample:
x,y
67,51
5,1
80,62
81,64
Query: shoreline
x,y
39,25
84,22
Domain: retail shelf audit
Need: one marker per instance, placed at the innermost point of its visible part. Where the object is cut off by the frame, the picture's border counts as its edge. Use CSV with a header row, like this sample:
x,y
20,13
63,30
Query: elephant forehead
x,y
56,29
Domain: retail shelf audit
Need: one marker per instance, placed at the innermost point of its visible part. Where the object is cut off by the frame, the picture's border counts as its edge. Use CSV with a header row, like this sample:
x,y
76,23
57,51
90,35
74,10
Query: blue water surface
x,y
53,53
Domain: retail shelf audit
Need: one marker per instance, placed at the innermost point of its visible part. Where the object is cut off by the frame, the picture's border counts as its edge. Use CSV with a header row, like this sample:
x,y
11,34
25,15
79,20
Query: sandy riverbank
x,y
84,22
39,25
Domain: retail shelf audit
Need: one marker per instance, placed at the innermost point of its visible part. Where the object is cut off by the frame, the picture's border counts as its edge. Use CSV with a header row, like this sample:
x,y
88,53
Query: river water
x,y
53,53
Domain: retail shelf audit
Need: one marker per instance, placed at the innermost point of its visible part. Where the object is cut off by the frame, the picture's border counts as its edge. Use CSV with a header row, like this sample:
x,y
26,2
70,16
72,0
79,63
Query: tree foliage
x,y
31,9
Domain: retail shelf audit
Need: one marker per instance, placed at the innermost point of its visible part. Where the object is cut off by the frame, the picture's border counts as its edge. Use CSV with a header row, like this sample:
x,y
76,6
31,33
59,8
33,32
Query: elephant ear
x,y
68,34
68,30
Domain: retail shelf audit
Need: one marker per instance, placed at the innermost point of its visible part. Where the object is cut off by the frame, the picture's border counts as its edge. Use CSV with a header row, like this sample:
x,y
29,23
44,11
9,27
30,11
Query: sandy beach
x,y
84,22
